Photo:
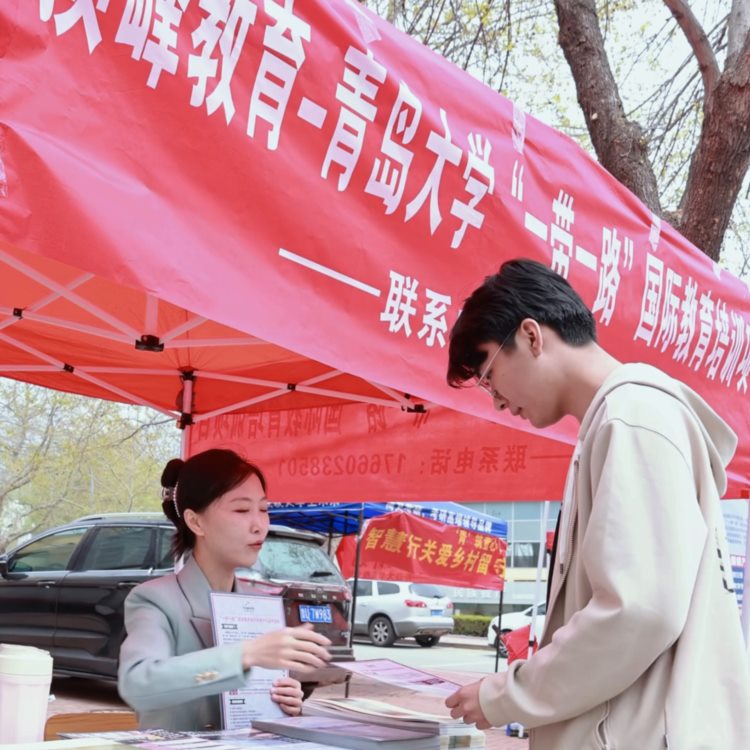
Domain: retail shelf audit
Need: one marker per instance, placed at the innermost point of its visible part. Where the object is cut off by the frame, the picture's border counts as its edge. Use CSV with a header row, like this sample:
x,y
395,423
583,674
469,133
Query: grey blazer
x,y
170,671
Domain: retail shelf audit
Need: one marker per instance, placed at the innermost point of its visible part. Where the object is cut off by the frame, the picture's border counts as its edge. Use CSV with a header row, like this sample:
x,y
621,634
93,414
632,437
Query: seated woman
x,y
170,671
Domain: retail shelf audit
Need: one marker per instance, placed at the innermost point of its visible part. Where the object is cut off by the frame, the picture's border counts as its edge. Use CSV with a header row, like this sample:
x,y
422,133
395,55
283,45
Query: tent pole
x,y
186,418
499,627
356,581
184,442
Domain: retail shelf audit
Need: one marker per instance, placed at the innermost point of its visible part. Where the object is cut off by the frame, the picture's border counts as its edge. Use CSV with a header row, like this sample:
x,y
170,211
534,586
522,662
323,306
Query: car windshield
x,y
286,559
426,589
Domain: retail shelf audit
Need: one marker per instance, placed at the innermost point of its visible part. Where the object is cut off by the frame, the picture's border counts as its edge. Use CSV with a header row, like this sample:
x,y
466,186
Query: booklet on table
x,y
454,733
355,735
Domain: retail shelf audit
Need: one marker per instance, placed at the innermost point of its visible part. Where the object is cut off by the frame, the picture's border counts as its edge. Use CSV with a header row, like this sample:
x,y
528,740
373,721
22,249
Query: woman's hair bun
x,y
171,472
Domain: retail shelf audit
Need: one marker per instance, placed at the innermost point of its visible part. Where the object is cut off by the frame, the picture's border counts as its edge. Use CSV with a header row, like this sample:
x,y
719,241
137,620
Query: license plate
x,y
315,613
436,611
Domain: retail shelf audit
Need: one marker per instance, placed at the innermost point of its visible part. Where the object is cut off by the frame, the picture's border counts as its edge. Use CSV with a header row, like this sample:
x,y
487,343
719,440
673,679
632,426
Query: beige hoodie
x,y
642,648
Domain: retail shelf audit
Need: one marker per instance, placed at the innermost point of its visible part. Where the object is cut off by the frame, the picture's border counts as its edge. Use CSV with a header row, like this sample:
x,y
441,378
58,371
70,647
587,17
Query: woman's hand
x,y
298,648
288,694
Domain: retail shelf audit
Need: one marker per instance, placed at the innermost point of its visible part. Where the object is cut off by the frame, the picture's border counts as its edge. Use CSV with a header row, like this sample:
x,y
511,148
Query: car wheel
x,y
503,648
381,631
428,641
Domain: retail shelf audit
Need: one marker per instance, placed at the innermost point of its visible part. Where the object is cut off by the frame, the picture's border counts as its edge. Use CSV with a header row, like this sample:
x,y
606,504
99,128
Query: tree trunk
x,y
618,142
720,161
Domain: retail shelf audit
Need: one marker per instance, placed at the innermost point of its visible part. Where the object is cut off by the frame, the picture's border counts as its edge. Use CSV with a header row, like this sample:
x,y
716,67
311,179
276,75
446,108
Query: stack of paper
x,y
355,735
453,732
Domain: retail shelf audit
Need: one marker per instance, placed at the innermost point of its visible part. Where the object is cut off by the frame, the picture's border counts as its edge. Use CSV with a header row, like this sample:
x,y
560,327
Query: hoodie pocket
x,y
600,733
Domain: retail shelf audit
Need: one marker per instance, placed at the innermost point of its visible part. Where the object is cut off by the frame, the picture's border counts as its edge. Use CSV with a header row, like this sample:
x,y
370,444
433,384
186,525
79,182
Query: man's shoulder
x,y
642,401
646,406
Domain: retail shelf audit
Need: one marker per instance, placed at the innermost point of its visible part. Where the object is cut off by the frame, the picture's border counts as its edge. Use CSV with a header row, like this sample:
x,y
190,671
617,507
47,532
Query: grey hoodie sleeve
x,y
641,554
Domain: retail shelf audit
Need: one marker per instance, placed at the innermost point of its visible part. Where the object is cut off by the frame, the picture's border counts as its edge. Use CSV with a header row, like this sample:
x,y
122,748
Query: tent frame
x,y
121,332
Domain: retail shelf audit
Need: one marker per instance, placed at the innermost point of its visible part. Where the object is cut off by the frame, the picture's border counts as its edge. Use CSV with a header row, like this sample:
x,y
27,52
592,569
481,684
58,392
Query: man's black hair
x,y
523,288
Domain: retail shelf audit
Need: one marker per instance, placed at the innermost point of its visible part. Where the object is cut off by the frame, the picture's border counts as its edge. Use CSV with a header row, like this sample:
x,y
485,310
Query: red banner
x,y
343,453
402,547
307,174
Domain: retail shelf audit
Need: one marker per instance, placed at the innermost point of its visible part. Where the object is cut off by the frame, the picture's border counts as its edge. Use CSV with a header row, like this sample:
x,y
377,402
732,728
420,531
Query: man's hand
x,y
464,704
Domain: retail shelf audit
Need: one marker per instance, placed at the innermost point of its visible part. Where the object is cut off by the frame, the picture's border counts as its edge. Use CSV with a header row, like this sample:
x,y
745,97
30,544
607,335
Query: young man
x,y
642,648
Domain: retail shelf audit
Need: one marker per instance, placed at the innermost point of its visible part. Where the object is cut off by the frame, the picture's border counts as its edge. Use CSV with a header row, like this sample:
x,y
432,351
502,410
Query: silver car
x,y
389,610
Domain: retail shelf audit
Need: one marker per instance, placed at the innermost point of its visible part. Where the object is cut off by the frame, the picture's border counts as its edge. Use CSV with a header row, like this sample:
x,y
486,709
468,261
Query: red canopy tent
x,y
307,175
66,329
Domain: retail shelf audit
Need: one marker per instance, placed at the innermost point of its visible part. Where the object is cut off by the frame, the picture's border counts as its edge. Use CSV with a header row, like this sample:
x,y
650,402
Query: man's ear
x,y
193,522
532,336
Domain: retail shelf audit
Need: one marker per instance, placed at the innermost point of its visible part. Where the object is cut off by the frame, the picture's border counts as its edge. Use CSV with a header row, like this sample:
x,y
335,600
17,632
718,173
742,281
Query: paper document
x,y
392,673
238,617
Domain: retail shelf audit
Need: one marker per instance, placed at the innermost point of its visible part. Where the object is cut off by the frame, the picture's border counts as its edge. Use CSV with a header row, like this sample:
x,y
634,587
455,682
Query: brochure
x,y
392,673
239,617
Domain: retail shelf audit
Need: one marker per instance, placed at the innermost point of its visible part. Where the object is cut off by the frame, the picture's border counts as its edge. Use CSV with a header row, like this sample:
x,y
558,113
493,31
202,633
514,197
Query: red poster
x,y
401,546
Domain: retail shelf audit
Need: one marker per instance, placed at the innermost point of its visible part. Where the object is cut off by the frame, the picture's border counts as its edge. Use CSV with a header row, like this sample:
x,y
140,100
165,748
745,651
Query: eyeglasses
x,y
481,379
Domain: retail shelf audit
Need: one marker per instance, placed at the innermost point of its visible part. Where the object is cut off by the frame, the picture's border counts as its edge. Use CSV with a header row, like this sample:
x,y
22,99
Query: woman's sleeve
x,y
151,676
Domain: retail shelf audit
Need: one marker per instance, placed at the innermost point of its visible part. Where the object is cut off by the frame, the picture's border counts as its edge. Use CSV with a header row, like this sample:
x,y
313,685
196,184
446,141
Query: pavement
x,y
465,641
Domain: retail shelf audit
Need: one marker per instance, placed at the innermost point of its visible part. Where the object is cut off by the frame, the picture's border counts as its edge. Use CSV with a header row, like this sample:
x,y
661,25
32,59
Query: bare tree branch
x,y
509,46
720,161
699,43
619,143
141,427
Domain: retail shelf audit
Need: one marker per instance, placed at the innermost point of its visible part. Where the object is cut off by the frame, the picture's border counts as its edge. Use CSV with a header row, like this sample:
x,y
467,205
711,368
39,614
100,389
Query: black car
x,y
64,590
